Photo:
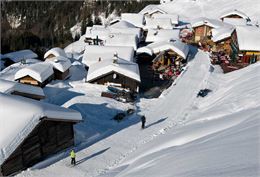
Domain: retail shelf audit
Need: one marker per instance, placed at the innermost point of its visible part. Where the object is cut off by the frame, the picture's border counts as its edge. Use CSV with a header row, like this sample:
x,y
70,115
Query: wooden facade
x,y
61,75
31,81
223,45
50,56
114,77
201,33
48,138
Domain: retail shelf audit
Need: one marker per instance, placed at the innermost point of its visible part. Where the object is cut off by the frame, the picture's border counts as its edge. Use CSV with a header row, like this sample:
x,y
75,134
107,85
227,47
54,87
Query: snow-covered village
x,y
166,88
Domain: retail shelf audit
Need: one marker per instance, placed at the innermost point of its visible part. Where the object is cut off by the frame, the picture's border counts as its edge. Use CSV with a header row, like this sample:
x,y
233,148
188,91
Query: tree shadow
x,y
91,156
157,122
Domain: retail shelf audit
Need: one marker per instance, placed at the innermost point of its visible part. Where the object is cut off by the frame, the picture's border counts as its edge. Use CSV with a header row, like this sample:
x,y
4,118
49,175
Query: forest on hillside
x,y
39,25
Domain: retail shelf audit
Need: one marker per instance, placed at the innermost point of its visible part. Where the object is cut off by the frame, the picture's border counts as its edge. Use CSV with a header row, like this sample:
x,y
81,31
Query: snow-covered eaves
x,y
9,87
123,67
60,63
248,38
119,39
20,55
234,12
179,47
156,35
93,53
152,9
219,34
56,52
39,71
133,18
122,24
174,18
236,21
208,22
19,116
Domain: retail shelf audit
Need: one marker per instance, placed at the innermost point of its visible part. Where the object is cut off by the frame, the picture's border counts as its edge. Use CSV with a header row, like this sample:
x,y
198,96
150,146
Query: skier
x,y
73,157
143,119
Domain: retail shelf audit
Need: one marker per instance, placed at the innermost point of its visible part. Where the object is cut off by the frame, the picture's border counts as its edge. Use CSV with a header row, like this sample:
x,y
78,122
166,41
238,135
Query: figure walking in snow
x,y
143,119
73,157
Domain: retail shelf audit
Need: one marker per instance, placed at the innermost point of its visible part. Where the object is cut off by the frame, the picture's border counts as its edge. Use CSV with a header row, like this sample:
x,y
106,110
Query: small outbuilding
x,y
61,67
15,88
55,52
234,14
39,74
31,131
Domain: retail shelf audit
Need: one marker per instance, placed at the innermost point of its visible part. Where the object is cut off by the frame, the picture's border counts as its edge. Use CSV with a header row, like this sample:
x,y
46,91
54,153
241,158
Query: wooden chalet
x,y
245,44
49,129
39,74
55,52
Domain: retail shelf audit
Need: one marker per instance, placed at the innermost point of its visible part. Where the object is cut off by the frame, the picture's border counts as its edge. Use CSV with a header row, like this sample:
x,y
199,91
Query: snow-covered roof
x,y
94,52
56,52
7,86
234,12
151,9
174,18
180,48
19,116
134,31
219,34
97,30
236,21
38,71
60,63
124,67
119,39
133,18
75,47
155,35
208,22
248,38
20,55
123,24
158,23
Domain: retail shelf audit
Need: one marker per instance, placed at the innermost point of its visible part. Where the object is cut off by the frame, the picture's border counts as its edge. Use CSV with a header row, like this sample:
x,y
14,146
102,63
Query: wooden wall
x,y
46,139
31,81
201,32
61,75
120,79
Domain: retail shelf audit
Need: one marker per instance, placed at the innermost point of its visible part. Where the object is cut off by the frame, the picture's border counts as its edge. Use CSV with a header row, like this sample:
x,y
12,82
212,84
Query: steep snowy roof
x,y
235,21
60,63
56,52
154,23
94,52
219,34
234,12
7,86
123,24
75,47
19,116
179,47
20,55
39,71
124,67
133,18
155,35
174,18
248,38
119,39
152,8
208,22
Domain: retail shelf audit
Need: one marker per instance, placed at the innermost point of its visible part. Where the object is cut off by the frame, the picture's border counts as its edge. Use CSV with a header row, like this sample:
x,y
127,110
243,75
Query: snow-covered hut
x,y
155,35
25,90
31,131
95,53
39,74
235,14
55,52
133,18
174,19
15,57
61,66
116,71
119,39
245,44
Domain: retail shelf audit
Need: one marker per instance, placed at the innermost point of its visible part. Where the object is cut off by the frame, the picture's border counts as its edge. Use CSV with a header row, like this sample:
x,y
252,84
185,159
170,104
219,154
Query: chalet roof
x,y
248,38
38,71
56,52
124,67
123,24
76,47
152,8
97,30
94,52
222,33
20,55
60,63
27,114
208,22
7,86
174,18
180,48
234,12
154,23
119,39
155,35
133,18
235,21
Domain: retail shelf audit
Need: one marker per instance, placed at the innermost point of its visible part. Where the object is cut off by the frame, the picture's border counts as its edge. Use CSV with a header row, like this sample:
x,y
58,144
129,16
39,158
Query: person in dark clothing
x,y
73,157
143,119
